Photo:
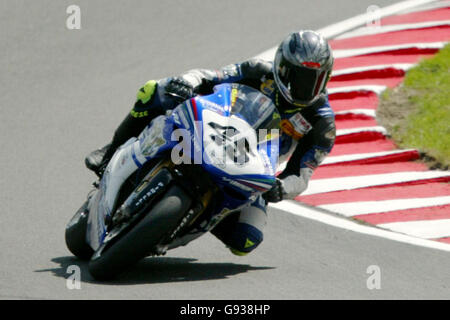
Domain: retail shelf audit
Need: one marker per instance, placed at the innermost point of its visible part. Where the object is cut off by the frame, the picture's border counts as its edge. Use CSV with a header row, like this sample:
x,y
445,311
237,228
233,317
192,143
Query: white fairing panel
x,y
119,169
129,157
223,140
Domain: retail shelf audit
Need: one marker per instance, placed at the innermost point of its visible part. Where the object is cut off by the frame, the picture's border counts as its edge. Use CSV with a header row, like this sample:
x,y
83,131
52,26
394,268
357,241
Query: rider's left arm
x,y
295,178
202,80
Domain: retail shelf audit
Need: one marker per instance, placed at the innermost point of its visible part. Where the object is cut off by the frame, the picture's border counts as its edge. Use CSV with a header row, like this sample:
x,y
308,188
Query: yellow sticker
x,y
145,93
234,93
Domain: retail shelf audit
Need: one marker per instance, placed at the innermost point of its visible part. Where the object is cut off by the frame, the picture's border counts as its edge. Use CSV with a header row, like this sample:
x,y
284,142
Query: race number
x,y
230,144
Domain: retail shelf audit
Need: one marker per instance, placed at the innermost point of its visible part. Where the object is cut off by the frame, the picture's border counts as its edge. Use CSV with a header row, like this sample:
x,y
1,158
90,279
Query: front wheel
x,y
137,243
76,234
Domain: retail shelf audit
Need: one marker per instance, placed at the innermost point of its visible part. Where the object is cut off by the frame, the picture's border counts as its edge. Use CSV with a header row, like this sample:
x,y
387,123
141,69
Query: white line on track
x,y
345,53
361,156
304,211
427,229
343,132
429,6
354,157
377,89
366,112
349,183
346,25
398,66
367,31
367,207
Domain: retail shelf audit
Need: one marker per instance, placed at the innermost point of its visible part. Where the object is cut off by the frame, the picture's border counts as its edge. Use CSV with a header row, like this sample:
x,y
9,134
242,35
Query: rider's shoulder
x,y
147,91
256,68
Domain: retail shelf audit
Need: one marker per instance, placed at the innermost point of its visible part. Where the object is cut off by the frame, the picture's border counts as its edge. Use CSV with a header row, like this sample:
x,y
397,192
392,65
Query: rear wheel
x,y
139,241
76,234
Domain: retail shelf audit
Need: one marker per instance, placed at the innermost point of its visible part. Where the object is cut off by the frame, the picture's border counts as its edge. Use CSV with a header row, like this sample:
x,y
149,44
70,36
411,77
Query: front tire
x,y
137,243
76,234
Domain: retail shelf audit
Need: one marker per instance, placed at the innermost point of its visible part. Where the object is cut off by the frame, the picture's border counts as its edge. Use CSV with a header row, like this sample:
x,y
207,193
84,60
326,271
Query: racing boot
x,y
94,160
98,159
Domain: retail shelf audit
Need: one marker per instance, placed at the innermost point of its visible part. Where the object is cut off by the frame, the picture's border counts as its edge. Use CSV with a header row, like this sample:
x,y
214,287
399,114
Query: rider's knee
x,y
248,232
245,239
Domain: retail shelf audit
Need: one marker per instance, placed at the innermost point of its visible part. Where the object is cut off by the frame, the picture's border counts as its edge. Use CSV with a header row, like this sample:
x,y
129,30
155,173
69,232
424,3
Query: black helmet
x,y
302,67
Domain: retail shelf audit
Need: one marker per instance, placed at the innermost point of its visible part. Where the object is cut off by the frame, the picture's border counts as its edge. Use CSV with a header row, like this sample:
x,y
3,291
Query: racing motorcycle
x,y
158,193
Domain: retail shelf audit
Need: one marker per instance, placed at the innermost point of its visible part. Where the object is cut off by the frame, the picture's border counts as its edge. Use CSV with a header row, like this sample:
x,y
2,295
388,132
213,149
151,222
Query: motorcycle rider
x,y
296,82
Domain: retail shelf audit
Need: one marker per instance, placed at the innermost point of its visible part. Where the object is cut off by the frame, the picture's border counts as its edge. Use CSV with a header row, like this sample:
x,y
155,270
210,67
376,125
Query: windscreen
x,y
256,109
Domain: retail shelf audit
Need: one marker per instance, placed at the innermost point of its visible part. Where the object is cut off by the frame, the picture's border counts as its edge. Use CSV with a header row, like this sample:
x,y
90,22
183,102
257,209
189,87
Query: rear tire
x,y
138,242
76,234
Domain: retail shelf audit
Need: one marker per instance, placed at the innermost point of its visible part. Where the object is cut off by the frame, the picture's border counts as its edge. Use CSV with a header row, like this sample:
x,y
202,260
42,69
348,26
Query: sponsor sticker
x,y
296,126
267,87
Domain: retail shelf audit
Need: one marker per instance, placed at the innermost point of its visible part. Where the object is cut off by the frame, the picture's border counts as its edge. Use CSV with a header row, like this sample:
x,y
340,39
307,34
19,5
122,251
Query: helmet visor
x,y
301,83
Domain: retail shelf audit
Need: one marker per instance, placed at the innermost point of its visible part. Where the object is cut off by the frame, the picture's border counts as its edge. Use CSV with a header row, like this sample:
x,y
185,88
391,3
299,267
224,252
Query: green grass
x,y
426,126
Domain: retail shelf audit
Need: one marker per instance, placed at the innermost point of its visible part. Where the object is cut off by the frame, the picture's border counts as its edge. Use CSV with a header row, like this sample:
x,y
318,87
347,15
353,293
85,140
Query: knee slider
x,y
245,238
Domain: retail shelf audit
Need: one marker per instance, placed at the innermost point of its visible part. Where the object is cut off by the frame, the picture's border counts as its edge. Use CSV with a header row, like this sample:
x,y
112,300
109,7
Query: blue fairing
x,y
221,121
243,103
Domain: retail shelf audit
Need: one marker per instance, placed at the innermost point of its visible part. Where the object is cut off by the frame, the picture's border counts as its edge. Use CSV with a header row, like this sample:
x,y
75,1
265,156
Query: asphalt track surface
x,y
63,92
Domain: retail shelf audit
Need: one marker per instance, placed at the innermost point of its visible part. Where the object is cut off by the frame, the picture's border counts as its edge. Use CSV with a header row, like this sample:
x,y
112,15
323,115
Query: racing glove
x,y
288,187
275,194
179,88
